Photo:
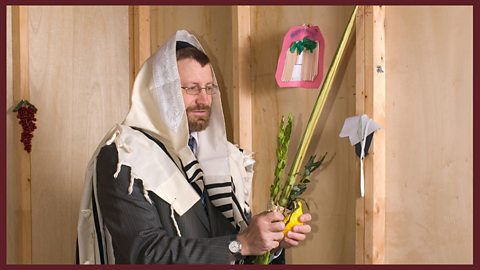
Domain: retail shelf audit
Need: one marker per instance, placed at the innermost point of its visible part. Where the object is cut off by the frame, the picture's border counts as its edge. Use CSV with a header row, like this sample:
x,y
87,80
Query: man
x,y
166,186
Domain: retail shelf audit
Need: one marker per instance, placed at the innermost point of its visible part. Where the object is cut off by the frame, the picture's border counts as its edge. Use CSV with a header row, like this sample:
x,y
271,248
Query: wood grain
x,y
79,81
429,118
22,159
374,163
242,83
11,174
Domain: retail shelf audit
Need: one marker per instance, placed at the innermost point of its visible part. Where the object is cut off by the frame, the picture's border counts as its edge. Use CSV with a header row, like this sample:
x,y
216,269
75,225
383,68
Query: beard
x,y
198,122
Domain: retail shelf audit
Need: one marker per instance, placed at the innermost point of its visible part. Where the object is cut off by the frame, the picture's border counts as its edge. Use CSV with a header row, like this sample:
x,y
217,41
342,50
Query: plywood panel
x,y
212,25
332,194
22,184
429,140
79,79
374,107
11,121
242,83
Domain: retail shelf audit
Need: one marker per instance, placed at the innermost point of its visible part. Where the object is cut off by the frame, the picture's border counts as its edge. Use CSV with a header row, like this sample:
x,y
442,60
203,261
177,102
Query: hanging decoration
x,y
359,129
26,114
301,60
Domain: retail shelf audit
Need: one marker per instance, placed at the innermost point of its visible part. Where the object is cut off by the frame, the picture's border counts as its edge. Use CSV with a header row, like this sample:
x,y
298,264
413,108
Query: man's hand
x,y
298,232
264,233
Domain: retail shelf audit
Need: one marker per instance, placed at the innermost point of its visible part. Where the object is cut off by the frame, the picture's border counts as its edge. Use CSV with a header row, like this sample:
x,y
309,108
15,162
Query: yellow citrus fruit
x,y
292,220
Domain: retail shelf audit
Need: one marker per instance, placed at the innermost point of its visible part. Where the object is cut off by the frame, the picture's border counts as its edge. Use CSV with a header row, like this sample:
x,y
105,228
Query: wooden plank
x,y
375,109
360,109
360,231
23,209
430,123
142,35
11,122
360,61
139,37
91,58
242,86
131,48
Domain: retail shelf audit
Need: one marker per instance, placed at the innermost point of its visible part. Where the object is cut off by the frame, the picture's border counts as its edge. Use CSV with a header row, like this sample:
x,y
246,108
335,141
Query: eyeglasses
x,y
196,89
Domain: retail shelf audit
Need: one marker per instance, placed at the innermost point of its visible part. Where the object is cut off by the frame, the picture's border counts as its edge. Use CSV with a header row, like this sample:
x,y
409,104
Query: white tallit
x,y
158,109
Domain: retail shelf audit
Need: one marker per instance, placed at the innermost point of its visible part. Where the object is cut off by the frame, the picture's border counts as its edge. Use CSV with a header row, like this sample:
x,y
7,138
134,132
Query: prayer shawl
x,y
158,110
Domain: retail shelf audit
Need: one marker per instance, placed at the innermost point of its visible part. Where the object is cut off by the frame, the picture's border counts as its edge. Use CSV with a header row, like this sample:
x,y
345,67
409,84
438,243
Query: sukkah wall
x,y
76,67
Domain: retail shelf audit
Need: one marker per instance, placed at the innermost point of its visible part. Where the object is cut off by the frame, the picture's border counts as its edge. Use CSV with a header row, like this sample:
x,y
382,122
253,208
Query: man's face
x,y
197,106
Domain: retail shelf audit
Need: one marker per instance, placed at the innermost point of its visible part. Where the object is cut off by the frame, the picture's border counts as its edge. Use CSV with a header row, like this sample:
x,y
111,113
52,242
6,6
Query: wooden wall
x,y
429,166
79,81
11,121
331,195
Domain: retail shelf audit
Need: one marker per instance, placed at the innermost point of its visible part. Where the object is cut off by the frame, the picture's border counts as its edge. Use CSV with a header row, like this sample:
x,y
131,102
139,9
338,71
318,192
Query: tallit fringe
x,y
119,144
119,167
130,186
145,194
172,216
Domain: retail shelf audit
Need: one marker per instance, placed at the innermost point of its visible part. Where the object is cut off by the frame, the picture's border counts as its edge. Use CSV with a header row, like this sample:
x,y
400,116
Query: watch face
x,y
234,246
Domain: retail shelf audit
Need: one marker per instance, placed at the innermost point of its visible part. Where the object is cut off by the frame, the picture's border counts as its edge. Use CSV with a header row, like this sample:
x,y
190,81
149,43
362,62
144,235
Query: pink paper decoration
x,y
304,66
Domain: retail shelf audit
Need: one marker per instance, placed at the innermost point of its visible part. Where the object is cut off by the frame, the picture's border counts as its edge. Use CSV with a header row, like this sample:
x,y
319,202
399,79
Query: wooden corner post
x,y
370,100
242,86
23,197
139,38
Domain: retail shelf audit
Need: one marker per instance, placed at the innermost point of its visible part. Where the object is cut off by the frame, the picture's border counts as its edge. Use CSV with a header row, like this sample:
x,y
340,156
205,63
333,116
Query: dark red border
x,y
240,2
3,138
476,134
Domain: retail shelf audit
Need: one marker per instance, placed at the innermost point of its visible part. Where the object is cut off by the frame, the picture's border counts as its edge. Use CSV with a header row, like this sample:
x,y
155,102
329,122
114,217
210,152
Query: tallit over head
x,y
158,108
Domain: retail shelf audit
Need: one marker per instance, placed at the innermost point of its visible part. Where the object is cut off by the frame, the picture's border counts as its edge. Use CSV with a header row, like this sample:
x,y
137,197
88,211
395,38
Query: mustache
x,y
198,107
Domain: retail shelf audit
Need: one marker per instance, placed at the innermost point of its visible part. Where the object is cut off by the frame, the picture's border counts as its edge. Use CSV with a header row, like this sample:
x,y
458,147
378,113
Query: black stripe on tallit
x,y
240,209
161,145
77,256
225,207
191,178
97,229
218,185
194,184
197,188
190,165
220,196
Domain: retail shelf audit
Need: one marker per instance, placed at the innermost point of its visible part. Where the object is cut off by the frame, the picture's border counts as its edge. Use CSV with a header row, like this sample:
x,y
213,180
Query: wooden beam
x,y
139,38
370,100
360,109
20,67
374,67
242,83
360,61
131,48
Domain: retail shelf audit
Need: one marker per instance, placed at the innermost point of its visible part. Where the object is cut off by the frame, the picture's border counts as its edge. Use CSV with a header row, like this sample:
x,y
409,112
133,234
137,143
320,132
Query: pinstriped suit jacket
x,y
144,233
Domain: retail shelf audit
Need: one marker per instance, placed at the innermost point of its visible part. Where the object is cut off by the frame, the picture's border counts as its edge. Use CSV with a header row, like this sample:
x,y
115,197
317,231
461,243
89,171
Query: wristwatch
x,y
235,248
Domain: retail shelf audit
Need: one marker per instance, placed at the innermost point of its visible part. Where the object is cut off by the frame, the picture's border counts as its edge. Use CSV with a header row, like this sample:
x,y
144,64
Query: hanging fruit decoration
x,y
26,114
